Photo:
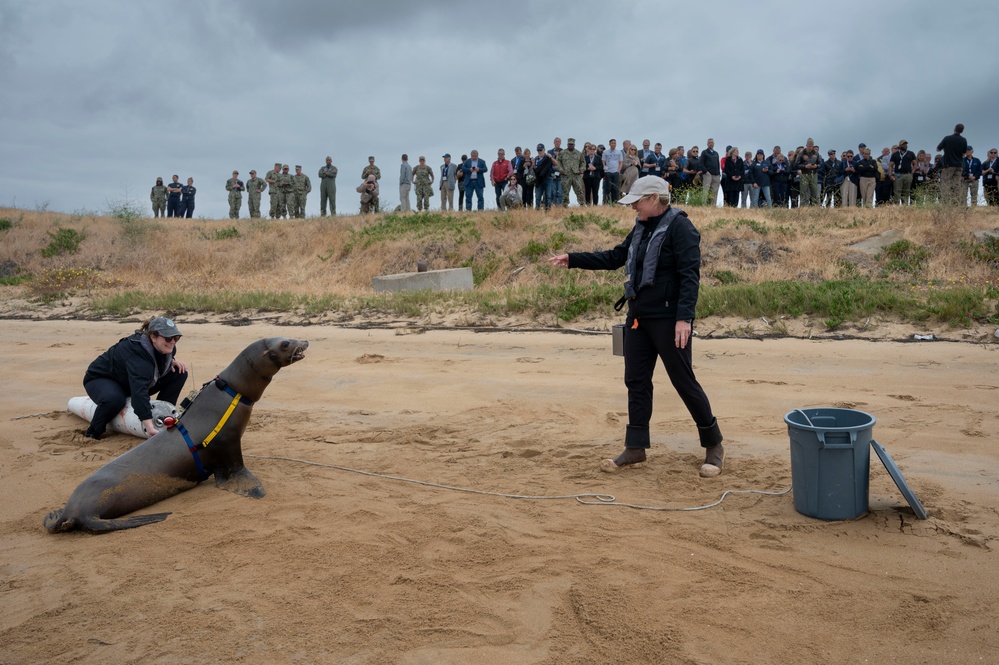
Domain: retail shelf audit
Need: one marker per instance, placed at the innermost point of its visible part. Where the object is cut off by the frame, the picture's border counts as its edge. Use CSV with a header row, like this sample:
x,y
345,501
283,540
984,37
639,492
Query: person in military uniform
x,y
275,195
254,188
423,178
302,187
235,188
369,194
187,193
286,185
327,187
572,163
371,169
158,196
173,198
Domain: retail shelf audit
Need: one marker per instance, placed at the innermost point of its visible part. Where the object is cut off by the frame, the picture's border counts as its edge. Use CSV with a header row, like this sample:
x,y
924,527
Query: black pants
x,y
591,191
109,396
173,207
654,339
187,209
991,189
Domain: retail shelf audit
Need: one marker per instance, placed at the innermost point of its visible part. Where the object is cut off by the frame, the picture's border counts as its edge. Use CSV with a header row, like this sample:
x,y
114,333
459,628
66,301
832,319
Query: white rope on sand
x,y
587,499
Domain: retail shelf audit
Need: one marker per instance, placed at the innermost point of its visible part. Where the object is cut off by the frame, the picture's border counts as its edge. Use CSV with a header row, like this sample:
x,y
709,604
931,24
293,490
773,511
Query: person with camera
x,y
369,194
138,366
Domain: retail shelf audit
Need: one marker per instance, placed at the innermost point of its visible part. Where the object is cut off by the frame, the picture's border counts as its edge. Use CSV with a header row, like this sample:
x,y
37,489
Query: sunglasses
x,y
175,338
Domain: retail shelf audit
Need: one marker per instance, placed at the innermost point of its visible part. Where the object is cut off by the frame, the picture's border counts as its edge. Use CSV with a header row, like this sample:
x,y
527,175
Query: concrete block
x,y
451,279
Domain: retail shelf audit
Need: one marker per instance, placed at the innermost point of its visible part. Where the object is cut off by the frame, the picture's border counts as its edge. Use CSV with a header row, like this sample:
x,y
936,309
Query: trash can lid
x,y
896,475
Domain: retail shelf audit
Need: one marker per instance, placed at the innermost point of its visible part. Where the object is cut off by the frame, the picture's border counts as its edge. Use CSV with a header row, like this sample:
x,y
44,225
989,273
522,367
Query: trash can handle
x,y
821,436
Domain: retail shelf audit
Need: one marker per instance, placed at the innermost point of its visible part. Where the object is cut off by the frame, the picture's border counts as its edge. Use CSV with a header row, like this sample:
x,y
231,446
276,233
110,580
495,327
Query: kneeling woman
x,y
138,366
662,260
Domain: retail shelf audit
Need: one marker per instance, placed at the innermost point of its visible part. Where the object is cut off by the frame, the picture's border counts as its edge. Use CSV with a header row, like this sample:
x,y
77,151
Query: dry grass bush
x,y
322,256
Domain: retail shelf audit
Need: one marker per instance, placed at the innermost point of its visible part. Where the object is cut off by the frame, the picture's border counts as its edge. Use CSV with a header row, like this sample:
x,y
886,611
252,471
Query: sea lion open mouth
x,y
299,352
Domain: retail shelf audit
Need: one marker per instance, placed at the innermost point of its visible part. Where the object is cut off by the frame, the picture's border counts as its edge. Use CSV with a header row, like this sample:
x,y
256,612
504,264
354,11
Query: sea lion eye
x,y
284,344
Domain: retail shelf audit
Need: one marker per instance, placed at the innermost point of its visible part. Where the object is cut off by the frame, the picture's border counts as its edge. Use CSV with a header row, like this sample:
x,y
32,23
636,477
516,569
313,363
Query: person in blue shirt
x,y
474,170
187,193
971,173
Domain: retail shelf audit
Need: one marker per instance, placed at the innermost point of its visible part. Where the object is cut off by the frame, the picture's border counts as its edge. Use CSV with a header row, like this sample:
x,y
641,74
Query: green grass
x,y
903,257
222,234
419,226
63,241
6,224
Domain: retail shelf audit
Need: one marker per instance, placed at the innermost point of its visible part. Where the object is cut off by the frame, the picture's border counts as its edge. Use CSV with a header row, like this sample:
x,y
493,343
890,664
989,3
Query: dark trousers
x,y
109,396
591,190
528,197
731,197
612,188
778,188
187,209
173,207
991,189
499,187
654,339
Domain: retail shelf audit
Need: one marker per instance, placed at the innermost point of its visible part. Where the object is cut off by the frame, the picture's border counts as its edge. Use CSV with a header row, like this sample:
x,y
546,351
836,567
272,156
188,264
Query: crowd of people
x,y
603,174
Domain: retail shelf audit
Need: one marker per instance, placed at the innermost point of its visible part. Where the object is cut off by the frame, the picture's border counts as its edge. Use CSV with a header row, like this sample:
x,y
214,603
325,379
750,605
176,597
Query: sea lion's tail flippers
x,y
55,522
97,525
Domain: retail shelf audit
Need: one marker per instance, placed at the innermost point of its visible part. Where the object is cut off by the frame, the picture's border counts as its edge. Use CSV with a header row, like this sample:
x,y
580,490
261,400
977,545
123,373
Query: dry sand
x,y
336,567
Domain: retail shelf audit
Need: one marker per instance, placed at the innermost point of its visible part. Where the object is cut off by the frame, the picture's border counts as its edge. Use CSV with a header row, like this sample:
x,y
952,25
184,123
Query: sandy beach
x,y
338,566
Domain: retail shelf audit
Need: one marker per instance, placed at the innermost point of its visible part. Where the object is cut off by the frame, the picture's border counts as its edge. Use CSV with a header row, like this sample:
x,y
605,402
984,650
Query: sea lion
x,y
172,461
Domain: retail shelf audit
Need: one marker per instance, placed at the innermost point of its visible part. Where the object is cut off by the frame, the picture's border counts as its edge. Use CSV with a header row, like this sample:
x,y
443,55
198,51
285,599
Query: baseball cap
x,y
862,145
541,146
644,187
447,154
759,151
163,326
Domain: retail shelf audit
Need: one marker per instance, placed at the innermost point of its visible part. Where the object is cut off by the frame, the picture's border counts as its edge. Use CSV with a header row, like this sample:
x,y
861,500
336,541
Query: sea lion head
x,y
283,351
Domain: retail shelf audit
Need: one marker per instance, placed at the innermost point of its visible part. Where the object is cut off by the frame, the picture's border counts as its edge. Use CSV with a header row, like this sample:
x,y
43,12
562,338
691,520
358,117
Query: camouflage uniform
x,y
235,188
375,171
254,188
423,176
302,187
327,189
286,187
271,179
158,196
572,163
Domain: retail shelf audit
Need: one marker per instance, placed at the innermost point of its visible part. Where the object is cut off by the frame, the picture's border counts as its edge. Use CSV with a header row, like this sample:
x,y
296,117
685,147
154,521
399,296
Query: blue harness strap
x,y
237,398
194,450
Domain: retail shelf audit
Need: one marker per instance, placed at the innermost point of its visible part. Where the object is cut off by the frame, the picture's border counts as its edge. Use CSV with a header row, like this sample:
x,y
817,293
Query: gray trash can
x,y
830,461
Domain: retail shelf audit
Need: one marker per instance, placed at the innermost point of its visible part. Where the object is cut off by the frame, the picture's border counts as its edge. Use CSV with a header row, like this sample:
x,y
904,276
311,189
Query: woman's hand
x,y
682,334
560,261
177,366
150,429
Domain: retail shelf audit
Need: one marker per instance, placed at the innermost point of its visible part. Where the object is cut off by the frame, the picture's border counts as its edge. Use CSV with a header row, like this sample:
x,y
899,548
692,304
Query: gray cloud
x,y
104,96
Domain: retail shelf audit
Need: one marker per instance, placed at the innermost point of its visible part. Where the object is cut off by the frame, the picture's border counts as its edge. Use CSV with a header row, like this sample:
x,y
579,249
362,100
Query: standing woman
x,y
593,175
187,194
867,171
527,178
629,169
662,259
137,366
734,170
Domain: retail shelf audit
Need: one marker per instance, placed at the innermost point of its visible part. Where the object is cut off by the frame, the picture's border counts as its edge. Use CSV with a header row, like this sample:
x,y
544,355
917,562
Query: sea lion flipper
x,y
98,525
240,481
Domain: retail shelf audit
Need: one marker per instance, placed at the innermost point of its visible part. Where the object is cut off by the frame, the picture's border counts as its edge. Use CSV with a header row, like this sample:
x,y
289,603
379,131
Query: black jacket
x,y
134,367
673,293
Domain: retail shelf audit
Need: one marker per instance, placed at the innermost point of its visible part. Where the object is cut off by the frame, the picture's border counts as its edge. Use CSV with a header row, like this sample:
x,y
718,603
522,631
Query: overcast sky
x,y
101,97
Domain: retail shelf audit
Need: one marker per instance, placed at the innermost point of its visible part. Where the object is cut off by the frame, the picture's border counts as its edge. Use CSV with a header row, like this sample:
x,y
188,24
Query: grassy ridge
x,y
755,263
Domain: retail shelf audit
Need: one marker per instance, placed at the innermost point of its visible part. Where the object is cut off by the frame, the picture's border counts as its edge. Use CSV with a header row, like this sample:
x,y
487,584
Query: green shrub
x,y
63,241
903,257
